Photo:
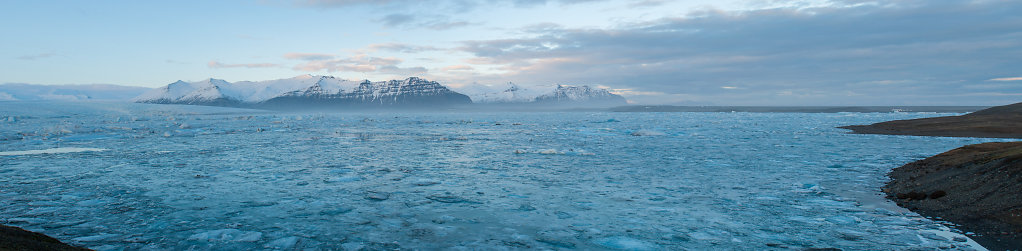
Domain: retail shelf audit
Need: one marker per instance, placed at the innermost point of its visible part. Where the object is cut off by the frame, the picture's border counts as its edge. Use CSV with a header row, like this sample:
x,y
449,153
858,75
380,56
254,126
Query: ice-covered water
x,y
186,177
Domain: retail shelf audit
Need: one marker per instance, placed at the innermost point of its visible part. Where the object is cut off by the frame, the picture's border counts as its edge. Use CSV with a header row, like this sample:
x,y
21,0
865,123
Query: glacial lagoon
x,y
112,176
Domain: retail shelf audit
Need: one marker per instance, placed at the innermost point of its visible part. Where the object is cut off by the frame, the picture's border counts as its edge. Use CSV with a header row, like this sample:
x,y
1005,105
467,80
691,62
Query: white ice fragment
x,y
549,151
344,179
166,134
645,132
945,232
26,220
98,237
286,243
227,235
520,151
53,151
42,210
625,243
425,182
107,247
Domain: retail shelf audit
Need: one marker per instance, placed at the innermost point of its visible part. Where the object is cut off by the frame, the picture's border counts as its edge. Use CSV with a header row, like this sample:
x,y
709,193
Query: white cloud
x,y
308,56
215,64
361,63
1007,79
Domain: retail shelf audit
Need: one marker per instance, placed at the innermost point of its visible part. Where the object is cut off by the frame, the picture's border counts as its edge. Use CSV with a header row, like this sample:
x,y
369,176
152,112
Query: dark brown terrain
x,y
978,187
995,122
14,238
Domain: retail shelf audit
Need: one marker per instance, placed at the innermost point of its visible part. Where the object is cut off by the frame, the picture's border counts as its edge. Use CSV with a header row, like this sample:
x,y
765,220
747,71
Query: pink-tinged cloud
x,y
214,64
359,63
457,68
1007,79
400,48
308,56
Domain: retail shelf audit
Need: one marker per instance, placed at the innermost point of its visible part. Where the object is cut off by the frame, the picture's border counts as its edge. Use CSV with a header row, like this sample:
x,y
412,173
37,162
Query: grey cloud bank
x,y
911,52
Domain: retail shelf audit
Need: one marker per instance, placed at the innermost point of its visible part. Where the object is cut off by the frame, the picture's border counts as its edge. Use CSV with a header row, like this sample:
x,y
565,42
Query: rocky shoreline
x,y
975,186
995,122
14,238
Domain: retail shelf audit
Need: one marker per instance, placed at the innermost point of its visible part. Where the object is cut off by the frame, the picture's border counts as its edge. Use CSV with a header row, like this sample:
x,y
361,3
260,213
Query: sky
x,y
724,52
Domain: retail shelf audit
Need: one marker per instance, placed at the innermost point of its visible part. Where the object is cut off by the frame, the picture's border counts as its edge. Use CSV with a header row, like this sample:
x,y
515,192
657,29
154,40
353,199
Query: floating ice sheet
x,y
53,151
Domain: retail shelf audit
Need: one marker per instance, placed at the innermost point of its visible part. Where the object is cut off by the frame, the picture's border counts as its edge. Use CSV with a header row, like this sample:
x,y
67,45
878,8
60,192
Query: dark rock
x,y
974,186
14,238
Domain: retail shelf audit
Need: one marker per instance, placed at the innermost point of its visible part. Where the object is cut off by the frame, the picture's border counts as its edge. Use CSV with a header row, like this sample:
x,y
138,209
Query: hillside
x,y
975,186
995,122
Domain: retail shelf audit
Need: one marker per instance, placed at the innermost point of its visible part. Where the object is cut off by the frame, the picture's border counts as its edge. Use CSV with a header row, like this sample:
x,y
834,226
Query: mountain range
x,y
34,92
329,92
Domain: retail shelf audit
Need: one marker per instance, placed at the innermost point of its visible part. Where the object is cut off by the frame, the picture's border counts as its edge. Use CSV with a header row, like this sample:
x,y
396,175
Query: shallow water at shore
x,y
180,177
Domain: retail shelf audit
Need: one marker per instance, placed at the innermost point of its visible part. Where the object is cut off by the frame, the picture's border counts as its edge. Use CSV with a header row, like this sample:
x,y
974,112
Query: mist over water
x,y
187,177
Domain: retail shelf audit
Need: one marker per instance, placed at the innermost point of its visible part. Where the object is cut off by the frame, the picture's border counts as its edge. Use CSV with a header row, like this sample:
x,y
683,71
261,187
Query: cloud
x,y
647,3
36,56
361,63
433,22
214,64
797,55
399,71
433,15
457,68
459,5
349,3
445,25
1007,79
308,56
397,47
396,19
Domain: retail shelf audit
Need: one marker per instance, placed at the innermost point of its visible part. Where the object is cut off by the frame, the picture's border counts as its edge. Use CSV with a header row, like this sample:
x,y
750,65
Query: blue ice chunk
x,y
286,243
625,243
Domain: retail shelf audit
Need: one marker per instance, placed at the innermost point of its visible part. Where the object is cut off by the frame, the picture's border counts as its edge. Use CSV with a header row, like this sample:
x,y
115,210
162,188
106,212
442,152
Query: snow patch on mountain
x,y
304,90
28,92
244,91
512,93
307,90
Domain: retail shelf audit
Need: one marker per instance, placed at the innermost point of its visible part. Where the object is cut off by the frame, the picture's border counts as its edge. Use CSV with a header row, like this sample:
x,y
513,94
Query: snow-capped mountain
x,y
326,91
545,95
30,92
408,92
304,90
